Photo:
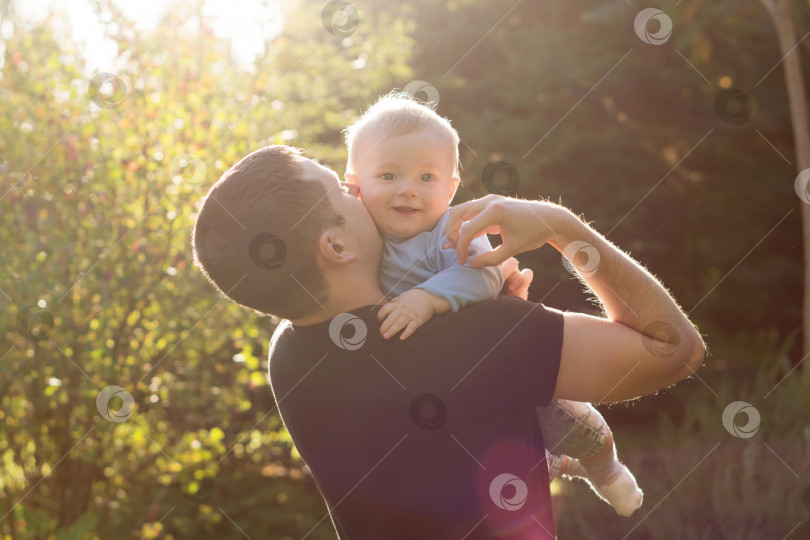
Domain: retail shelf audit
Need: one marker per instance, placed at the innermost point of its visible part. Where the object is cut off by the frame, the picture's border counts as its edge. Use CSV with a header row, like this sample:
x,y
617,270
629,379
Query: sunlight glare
x,y
247,23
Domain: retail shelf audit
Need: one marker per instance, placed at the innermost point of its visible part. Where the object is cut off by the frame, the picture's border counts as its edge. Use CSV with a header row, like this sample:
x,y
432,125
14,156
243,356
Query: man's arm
x,y
645,343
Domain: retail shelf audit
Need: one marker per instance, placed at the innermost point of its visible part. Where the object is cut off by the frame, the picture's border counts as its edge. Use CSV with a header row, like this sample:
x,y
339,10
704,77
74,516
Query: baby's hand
x,y
409,310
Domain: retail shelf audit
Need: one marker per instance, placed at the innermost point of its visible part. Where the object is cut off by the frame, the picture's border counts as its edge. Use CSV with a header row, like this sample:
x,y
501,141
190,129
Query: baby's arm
x,y
451,288
461,285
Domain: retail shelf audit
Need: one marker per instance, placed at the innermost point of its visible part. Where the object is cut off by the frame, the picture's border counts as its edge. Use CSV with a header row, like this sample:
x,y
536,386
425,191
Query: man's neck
x,y
342,303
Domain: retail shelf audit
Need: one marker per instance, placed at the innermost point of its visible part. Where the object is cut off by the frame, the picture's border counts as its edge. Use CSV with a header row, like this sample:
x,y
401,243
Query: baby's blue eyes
x,y
425,177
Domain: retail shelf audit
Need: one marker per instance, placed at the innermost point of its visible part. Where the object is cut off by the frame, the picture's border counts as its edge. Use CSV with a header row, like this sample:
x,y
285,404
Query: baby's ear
x,y
351,178
454,186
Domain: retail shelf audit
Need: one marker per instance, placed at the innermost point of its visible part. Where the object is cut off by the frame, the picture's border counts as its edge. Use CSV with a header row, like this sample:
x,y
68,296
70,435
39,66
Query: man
x,y
435,436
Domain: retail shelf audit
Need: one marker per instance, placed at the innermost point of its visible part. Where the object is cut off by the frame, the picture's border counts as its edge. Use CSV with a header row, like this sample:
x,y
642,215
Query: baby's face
x,y
406,181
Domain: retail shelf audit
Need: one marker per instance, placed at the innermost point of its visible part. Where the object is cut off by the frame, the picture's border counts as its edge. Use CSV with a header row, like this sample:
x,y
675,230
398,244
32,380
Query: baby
x,y
404,159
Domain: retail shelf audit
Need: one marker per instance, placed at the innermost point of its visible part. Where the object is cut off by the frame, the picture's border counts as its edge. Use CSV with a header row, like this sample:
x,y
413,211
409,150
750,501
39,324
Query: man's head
x,y
404,158
278,229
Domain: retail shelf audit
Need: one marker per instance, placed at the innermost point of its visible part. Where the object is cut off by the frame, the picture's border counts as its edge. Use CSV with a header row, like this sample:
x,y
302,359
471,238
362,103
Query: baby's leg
x,y
562,465
579,430
572,428
558,465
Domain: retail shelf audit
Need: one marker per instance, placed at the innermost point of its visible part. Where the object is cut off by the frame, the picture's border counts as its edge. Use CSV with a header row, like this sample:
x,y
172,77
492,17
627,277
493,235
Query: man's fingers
x,y
509,267
520,276
485,221
518,284
462,212
526,277
522,283
450,240
490,258
513,283
458,234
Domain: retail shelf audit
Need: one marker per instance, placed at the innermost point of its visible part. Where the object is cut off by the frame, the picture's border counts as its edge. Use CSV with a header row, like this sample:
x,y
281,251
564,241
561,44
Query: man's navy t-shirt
x,y
432,437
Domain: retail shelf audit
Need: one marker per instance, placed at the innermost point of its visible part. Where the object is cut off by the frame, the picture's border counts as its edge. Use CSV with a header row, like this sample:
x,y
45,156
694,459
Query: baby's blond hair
x,y
396,113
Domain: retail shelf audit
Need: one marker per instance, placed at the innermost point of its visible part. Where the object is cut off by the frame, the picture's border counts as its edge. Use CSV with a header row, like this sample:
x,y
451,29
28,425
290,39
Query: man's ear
x,y
332,247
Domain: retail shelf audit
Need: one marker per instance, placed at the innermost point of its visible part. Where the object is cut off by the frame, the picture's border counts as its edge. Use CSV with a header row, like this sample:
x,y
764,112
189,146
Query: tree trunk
x,y
779,11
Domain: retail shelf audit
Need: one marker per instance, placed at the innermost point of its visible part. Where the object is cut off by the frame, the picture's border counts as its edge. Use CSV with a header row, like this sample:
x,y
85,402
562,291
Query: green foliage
x,y
98,200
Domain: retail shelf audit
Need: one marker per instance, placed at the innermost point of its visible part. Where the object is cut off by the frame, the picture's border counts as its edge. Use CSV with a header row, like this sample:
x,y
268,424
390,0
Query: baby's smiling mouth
x,y
406,209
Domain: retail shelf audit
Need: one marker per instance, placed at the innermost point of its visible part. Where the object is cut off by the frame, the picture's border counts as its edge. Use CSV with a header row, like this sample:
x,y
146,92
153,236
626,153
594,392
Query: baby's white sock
x,y
612,481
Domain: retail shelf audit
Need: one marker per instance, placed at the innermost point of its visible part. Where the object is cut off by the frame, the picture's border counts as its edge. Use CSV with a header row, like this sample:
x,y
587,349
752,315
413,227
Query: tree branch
x,y
770,7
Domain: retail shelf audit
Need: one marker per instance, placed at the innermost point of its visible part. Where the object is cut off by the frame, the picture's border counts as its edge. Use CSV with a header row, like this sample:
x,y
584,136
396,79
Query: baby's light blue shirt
x,y
420,261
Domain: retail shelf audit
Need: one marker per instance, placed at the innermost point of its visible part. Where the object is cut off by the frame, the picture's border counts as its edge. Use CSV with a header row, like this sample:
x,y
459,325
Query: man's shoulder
x,y
284,327
280,342
481,320
507,305
330,335
488,323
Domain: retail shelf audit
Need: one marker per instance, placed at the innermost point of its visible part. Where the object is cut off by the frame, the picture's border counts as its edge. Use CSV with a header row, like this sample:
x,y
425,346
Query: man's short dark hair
x,y
256,235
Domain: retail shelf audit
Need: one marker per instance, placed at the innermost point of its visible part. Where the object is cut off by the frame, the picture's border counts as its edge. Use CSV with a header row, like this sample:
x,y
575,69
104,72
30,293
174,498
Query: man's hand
x,y
522,225
409,310
515,281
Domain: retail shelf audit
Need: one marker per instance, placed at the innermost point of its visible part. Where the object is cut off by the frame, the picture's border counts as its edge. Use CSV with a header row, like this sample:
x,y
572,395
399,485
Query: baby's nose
x,y
407,188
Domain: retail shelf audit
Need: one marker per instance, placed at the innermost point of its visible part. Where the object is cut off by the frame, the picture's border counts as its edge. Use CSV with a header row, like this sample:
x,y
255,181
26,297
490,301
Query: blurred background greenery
x,y
100,182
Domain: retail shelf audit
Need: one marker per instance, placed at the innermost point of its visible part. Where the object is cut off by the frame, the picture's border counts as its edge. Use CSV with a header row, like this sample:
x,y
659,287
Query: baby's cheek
x,y
375,211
